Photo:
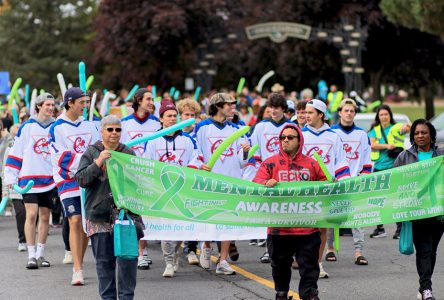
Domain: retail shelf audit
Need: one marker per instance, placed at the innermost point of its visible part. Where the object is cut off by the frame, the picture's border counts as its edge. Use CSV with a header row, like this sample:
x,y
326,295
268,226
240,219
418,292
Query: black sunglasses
x,y
111,129
289,137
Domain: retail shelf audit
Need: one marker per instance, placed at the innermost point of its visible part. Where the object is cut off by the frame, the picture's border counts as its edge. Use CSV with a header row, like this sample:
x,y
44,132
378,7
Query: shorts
x,y
72,206
41,199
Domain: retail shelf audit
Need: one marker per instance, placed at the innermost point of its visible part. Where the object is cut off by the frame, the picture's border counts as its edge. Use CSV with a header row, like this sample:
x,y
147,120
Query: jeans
x,y
103,250
426,236
281,249
358,238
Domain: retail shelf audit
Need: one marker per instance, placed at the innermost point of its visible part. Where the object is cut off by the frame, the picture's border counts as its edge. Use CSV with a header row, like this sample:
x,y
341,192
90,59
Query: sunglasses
x,y
289,137
111,129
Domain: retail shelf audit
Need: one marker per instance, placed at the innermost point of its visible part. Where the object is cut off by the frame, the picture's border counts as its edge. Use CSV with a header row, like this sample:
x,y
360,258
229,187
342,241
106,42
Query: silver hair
x,y
110,120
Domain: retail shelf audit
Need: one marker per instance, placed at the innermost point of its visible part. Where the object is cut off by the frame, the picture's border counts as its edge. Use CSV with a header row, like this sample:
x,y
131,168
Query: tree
x,y
42,38
425,15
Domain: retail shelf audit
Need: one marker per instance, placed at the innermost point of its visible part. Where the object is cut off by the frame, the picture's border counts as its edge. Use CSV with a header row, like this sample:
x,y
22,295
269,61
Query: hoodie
x,y
282,167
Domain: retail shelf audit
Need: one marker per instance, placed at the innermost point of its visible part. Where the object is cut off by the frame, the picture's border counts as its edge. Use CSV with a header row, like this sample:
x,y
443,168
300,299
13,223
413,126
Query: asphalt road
x,y
389,274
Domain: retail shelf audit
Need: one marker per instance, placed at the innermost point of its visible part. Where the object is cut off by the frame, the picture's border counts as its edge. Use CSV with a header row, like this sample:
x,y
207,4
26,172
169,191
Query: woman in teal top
x,y
380,148
426,232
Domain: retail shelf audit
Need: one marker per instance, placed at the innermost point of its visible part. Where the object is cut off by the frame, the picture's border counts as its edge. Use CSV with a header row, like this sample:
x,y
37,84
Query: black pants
x,y
65,234
56,209
282,248
20,218
426,236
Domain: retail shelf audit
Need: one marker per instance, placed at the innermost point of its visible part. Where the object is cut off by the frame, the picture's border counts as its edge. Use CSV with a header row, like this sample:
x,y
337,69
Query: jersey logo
x,y
80,142
351,149
41,145
173,157
140,148
272,144
321,149
294,175
215,142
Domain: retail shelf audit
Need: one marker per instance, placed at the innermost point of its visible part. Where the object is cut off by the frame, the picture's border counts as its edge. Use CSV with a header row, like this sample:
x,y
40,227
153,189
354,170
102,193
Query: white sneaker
x,y
77,278
224,268
8,213
68,258
192,258
322,273
205,257
22,247
169,271
176,262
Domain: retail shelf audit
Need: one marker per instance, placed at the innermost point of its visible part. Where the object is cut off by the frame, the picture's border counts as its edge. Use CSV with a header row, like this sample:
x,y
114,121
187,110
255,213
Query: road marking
x,y
254,277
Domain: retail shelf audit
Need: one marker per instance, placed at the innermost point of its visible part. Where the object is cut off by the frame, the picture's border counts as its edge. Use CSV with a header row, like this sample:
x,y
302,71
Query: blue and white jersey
x,y
266,135
330,148
209,134
179,149
357,149
134,128
68,141
30,158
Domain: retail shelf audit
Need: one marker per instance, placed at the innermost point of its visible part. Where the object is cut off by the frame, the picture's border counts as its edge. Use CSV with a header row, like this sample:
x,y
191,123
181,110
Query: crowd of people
x,y
62,152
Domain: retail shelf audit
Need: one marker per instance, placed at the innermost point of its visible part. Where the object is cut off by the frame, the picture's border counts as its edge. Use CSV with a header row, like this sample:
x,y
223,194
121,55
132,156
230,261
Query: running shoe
x,y
144,263
192,258
205,256
224,268
322,273
77,278
169,271
68,258
261,243
427,295
22,247
378,233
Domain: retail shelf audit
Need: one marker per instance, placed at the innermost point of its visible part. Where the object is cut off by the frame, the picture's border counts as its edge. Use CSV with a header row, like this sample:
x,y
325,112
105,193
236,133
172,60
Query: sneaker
x,y
378,233
22,247
233,253
322,273
427,295
224,268
169,271
176,262
32,264
8,213
42,262
68,258
261,243
252,242
192,258
205,256
77,278
265,258
396,235
144,263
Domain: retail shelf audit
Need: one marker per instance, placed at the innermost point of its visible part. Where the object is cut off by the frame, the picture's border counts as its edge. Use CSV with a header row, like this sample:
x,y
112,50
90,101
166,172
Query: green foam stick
x,y
252,151
89,81
337,242
240,86
225,144
14,90
373,105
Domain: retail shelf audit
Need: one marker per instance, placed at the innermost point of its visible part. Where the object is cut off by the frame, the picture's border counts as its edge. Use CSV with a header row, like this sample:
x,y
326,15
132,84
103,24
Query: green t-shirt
x,y
384,162
425,155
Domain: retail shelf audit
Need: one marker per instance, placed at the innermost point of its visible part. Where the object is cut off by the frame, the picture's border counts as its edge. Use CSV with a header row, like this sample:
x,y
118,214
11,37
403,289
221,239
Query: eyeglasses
x,y
111,129
289,137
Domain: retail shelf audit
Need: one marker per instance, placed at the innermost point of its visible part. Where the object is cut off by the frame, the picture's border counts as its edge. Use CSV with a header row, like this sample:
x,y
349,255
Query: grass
x,y
415,112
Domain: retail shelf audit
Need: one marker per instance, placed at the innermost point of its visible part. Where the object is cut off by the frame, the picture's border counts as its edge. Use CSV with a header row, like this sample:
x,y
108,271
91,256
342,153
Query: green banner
x,y
152,188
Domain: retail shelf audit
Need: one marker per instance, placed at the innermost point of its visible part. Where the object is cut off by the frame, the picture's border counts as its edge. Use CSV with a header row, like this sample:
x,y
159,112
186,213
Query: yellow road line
x,y
254,277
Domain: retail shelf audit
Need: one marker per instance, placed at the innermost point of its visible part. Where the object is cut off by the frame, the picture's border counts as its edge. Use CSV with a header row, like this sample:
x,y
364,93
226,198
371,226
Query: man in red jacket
x,y
291,165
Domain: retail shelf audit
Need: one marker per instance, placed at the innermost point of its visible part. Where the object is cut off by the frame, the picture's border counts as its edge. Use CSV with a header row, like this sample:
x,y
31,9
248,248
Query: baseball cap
x,y
222,98
319,105
43,97
73,94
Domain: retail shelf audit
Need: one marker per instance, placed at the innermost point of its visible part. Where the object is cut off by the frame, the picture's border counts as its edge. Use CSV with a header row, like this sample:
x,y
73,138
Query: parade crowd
x,y
62,152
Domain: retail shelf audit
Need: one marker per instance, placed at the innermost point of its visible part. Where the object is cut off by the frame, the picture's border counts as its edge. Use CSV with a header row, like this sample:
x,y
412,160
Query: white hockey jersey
x,y
330,148
134,128
209,134
68,141
266,135
357,149
30,158
180,150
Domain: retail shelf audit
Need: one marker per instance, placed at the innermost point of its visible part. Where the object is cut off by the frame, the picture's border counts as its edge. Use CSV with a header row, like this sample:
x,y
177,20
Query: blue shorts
x,y
72,206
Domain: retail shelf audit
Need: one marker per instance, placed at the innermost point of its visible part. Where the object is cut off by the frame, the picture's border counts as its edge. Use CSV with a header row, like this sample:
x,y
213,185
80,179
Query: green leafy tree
x,y
42,38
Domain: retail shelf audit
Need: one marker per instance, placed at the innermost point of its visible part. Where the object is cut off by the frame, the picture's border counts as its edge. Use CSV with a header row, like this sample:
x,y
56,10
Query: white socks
x,y
31,251
40,250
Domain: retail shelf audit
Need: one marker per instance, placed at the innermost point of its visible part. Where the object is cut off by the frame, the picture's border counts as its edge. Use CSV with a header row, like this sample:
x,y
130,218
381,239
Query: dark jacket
x,y
99,203
282,167
410,156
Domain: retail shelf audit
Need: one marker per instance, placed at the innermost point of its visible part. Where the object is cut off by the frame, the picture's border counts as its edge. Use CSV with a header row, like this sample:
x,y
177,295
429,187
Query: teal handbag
x,y
406,239
125,237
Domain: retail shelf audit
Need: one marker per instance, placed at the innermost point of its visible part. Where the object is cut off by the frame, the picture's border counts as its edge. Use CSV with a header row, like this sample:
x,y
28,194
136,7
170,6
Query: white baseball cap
x,y
319,105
